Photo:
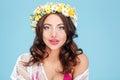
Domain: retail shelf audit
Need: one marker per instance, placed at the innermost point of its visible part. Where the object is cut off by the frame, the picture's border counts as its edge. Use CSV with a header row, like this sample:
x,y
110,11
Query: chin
x,y
54,48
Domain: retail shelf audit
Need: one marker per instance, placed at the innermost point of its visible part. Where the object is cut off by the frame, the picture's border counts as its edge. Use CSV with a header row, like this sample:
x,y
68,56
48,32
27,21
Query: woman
x,y
53,55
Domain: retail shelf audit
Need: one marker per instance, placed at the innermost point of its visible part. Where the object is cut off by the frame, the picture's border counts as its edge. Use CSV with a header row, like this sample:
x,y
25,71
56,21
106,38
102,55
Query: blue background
x,y
98,30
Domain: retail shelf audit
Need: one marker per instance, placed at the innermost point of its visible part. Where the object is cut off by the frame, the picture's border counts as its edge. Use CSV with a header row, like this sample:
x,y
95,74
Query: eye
x,y
61,27
46,27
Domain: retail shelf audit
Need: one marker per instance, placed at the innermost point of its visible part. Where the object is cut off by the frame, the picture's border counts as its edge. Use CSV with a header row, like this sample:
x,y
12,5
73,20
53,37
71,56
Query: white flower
x,y
54,8
33,25
65,9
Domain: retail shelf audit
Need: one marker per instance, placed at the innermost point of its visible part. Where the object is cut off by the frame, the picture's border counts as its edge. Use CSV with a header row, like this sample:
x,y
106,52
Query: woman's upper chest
x,y
53,72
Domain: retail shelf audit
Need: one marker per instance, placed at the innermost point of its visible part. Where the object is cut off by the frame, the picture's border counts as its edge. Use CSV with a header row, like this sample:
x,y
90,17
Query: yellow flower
x,y
37,11
60,7
47,9
71,12
65,9
37,18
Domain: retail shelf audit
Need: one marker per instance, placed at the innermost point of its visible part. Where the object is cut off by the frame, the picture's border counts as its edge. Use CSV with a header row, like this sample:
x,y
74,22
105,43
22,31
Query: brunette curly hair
x,y
69,51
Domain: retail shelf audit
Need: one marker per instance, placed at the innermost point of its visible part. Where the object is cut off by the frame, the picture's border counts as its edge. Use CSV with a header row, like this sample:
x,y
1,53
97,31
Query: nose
x,y
53,33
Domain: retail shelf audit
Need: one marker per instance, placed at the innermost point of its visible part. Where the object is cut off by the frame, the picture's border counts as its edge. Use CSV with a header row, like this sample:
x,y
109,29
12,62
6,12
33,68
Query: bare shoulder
x,y
82,66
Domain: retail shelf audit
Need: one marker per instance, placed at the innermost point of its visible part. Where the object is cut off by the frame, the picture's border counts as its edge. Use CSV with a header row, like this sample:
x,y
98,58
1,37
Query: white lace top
x,y
34,72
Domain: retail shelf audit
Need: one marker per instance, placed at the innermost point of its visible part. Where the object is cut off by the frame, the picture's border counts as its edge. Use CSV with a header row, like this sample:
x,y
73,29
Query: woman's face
x,y
54,35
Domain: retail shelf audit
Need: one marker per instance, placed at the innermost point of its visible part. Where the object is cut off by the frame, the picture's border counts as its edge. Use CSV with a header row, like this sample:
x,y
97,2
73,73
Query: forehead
x,y
53,18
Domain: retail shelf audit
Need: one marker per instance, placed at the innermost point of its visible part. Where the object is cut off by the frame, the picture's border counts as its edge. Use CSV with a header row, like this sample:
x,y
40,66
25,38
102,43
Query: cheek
x,y
45,36
63,36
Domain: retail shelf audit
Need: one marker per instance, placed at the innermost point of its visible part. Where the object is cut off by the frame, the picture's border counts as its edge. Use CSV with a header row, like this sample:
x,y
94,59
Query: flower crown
x,y
65,9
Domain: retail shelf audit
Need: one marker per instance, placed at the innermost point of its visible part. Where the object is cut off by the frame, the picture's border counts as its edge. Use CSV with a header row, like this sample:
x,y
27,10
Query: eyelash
x,y
59,27
46,27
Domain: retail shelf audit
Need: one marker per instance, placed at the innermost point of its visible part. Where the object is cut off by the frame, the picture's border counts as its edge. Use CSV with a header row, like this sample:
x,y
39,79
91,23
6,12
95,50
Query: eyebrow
x,y
60,24
47,24
51,25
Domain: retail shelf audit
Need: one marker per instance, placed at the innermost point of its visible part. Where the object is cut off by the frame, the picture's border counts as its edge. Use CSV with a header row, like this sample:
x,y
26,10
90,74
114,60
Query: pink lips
x,y
54,41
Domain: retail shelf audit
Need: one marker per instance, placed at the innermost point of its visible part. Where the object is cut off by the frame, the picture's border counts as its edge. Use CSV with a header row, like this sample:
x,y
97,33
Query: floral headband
x,y
40,11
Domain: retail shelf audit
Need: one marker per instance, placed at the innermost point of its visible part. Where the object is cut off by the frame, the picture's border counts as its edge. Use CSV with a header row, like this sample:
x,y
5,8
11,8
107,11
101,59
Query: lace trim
x,y
83,76
23,73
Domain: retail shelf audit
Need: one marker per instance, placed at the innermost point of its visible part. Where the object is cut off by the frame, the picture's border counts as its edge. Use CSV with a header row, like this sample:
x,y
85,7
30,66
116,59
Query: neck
x,y
53,56
53,60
